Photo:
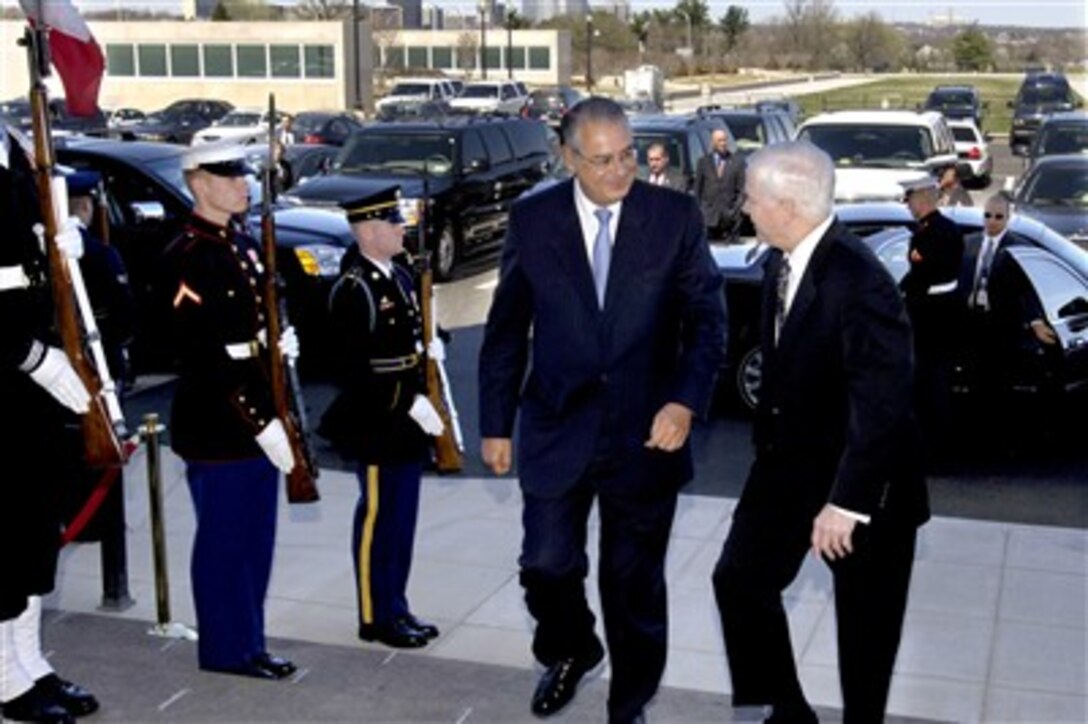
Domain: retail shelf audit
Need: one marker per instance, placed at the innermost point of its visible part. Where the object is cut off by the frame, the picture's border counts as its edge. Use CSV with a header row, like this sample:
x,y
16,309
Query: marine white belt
x,y
13,277
943,288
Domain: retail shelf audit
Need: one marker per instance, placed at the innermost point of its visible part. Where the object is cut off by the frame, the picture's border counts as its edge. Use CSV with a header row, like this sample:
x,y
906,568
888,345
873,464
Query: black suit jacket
x,y
834,422
598,377
719,196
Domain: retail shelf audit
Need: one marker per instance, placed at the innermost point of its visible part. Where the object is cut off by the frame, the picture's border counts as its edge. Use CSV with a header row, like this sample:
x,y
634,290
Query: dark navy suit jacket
x,y
596,378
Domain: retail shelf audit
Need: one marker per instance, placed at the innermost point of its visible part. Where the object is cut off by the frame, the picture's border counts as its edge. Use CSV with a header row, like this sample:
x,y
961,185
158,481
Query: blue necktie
x,y
602,254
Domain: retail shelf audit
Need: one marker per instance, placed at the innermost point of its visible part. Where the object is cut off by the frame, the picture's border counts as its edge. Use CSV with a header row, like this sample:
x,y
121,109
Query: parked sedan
x,y
242,125
148,202
1056,268
1055,191
331,128
973,151
177,122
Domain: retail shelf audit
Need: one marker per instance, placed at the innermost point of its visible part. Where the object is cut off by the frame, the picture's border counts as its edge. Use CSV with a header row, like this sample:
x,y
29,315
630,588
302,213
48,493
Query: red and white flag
x,y
75,53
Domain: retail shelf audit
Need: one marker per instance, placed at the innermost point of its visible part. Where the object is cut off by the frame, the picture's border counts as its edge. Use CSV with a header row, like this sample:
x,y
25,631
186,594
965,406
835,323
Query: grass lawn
x,y
909,91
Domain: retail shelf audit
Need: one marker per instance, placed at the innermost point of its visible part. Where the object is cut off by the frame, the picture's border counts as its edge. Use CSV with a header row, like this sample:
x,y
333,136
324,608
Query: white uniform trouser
x,y
21,660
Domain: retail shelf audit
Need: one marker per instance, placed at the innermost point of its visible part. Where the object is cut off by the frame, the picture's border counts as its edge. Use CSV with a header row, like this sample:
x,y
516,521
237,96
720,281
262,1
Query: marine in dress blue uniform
x,y
223,421
42,395
381,417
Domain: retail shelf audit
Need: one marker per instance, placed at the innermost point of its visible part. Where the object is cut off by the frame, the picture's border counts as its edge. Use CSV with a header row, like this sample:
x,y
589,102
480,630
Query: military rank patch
x,y
184,292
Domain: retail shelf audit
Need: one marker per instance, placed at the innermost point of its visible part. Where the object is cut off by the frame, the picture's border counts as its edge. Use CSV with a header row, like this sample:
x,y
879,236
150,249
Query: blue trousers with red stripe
x,y
382,540
235,505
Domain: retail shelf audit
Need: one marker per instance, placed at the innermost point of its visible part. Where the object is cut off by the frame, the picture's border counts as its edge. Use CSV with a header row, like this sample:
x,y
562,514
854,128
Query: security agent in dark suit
x,y
835,469
1002,311
931,288
38,384
719,187
625,340
224,425
658,172
381,417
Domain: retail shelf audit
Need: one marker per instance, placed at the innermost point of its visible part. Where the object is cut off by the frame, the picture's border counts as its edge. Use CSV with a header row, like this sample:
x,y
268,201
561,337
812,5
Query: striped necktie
x,y
783,285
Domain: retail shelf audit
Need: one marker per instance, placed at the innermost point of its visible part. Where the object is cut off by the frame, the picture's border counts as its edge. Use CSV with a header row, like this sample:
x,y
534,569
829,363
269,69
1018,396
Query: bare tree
x,y
324,9
811,27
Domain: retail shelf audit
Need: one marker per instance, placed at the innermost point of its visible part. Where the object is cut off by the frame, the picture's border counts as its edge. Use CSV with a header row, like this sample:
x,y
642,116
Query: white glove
x,y
273,440
69,240
423,412
56,375
289,344
436,349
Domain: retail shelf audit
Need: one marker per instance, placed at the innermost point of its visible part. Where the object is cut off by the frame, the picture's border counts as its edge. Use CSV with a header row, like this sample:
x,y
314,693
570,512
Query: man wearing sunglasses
x,y
1003,311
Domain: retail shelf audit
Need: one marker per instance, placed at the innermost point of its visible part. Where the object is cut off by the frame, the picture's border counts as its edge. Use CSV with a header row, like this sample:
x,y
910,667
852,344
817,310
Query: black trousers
x,y
761,557
634,540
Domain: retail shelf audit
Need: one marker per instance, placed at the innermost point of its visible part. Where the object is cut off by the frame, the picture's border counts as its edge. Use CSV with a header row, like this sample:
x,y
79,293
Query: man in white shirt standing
x,y
837,469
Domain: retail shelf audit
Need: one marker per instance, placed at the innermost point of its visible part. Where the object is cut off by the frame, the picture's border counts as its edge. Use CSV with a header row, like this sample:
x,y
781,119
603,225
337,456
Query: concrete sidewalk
x,y
995,631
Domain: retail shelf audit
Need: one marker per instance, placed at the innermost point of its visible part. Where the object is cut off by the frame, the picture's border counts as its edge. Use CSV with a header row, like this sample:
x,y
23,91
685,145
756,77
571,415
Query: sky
x,y
1032,13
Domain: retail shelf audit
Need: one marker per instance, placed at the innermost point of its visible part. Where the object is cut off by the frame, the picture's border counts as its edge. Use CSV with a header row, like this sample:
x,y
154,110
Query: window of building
x,y
184,61
218,61
285,61
252,61
152,60
441,57
515,58
494,57
540,58
394,57
120,60
417,57
319,61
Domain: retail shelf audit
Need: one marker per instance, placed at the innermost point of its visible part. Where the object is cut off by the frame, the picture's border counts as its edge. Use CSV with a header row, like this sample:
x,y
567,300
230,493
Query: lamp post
x,y
691,46
510,44
355,53
589,53
483,40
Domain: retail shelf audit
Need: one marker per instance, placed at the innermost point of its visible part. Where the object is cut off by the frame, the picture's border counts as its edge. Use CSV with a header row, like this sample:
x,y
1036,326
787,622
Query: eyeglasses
x,y
988,215
600,163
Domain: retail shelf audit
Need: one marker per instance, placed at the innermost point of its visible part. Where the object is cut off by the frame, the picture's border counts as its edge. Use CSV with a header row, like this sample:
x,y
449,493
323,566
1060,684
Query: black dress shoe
x,y
559,683
279,667
397,635
795,713
73,697
36,707
429,630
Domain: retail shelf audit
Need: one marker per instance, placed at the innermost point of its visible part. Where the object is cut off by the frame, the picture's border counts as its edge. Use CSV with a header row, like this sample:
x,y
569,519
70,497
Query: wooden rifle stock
x,y
447,454
301,487
101,446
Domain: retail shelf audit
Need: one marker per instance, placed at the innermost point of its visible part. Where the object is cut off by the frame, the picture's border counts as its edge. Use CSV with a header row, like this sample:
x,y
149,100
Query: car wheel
x,y
445,255
749,377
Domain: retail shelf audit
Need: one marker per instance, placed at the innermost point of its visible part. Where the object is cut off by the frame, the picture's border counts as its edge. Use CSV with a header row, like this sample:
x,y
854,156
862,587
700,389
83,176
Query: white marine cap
x,y
922,183
223,158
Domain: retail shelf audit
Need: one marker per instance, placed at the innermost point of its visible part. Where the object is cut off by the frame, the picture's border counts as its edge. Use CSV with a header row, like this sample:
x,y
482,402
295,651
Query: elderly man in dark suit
x,y
614,280
719,186
658,171
836,449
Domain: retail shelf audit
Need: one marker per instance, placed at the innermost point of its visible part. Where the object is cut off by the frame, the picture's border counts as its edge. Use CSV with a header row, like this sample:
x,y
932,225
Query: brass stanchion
x,y
165,627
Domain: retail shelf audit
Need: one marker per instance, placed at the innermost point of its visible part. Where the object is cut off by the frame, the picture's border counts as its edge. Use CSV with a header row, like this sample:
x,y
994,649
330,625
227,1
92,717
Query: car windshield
x,y
748,130
671,143
1057,186
410,89
964,134
398,153
239,119
1043,95
1064,139
876,146
480,91
951,100
308,124
543,101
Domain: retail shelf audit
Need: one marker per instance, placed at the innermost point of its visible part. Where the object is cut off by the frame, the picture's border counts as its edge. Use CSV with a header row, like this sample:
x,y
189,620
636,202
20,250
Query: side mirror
x,y
147,212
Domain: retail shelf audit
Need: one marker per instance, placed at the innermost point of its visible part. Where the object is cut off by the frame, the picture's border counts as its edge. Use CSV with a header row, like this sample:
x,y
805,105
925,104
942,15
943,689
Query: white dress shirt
x,y
589,222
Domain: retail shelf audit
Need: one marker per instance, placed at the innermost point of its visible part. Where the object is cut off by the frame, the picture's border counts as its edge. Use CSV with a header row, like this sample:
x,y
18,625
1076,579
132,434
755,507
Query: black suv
x,y
1060,133
753,128
687,139
550,104
1040,95
956,101
178,122
470,168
